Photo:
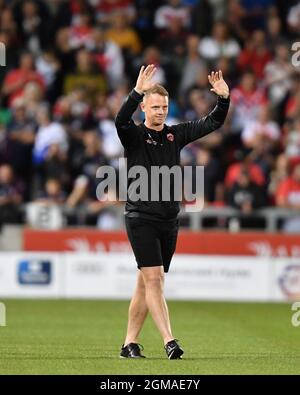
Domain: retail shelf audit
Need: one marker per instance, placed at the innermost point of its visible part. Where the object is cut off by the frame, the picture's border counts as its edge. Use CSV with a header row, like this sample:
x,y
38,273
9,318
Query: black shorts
x,y
153,242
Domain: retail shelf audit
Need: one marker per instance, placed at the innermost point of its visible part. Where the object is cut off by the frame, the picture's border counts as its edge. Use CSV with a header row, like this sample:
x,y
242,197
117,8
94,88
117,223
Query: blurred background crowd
x,y
70,65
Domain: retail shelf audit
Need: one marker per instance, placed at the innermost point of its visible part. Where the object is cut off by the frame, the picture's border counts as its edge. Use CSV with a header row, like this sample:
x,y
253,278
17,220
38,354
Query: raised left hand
x,y
219,86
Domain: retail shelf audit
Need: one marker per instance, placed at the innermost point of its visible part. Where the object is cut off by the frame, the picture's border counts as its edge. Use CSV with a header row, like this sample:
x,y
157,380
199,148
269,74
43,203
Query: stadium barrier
x,y
113,276
51,216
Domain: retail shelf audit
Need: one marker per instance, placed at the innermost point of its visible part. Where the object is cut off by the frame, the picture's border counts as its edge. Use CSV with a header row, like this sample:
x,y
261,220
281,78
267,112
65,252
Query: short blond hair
x,y
159,89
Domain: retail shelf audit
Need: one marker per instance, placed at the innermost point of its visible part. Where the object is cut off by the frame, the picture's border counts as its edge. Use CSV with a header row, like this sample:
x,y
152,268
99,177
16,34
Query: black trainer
x,y
132,350
173,349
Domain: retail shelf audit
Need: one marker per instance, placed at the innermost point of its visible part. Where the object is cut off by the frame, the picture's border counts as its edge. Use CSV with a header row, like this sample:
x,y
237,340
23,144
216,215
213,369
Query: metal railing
x,y
228,216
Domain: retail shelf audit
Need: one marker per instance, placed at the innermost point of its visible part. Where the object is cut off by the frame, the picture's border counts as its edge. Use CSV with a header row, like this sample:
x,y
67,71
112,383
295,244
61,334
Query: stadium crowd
x,y
70,65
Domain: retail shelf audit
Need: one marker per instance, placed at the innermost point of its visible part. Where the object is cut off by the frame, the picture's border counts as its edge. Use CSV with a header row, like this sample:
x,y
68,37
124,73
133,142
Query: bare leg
x,y
137,313
154,283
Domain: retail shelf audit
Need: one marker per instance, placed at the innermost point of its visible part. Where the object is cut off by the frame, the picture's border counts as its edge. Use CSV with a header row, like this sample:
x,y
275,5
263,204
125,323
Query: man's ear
x,y
142,105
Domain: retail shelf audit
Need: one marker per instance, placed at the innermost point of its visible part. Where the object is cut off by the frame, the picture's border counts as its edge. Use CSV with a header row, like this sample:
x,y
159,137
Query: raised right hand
x,y
143,82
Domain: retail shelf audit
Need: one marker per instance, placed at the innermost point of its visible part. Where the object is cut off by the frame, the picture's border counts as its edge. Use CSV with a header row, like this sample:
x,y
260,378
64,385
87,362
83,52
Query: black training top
x,y
147,147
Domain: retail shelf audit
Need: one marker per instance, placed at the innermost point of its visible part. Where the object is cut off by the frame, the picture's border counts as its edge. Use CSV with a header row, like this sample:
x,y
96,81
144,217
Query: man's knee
x,y
140,282
153,277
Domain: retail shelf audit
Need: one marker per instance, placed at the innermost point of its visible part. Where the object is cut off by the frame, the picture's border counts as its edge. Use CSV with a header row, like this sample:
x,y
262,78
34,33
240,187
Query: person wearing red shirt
x,y
288,192
16,79
255,55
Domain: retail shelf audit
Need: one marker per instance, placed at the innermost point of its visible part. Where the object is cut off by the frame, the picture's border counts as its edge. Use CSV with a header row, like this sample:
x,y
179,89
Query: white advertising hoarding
x,y
31,275
104,275
113,276
190,277
286,279
218,278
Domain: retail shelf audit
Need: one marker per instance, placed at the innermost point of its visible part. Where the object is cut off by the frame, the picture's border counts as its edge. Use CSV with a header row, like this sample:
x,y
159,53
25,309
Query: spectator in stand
x,y
198,104
274,32
255,12
192,65
245,164
288,192
20,135
245,195
234,17
74,118
292,104
293,19
55,165
52,193
34,24
11,195
144,21
255,55
278,73
89,156
65,54
261,132
86,75
173,9
33,97
81,31
246,100
16,80
292,140
101,110
201,84
288,196
8,25
49,133
202,18
109,58
278,174
106,8
212,174
111,146
172,41
228,70
152,55
84,192
50,153
219,44
124,35
49,67
75,112
67,13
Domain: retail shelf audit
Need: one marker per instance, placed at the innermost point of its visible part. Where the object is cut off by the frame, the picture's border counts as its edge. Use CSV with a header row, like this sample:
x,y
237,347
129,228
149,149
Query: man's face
x,y
26,62
155,107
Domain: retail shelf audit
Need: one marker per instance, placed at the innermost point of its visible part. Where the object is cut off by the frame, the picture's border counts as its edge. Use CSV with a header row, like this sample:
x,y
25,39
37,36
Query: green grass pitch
x,y
84,337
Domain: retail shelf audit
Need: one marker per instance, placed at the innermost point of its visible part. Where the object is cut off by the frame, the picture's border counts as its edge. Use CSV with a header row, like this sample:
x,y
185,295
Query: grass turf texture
x,y
84,337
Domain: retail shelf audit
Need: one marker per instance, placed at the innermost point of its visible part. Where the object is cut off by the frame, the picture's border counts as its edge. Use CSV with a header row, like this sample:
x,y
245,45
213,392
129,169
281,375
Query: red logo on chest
x,y
170,137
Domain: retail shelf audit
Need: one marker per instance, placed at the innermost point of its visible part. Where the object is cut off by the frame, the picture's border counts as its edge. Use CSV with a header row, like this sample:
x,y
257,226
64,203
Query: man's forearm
x,y
128,108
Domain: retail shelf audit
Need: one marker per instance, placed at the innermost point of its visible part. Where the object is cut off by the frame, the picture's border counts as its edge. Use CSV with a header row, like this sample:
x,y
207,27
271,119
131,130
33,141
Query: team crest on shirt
x,y
170,137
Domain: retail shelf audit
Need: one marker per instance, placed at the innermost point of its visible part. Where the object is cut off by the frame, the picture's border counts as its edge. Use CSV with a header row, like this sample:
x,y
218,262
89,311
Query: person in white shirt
x,y
219,44
261,130
49,133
